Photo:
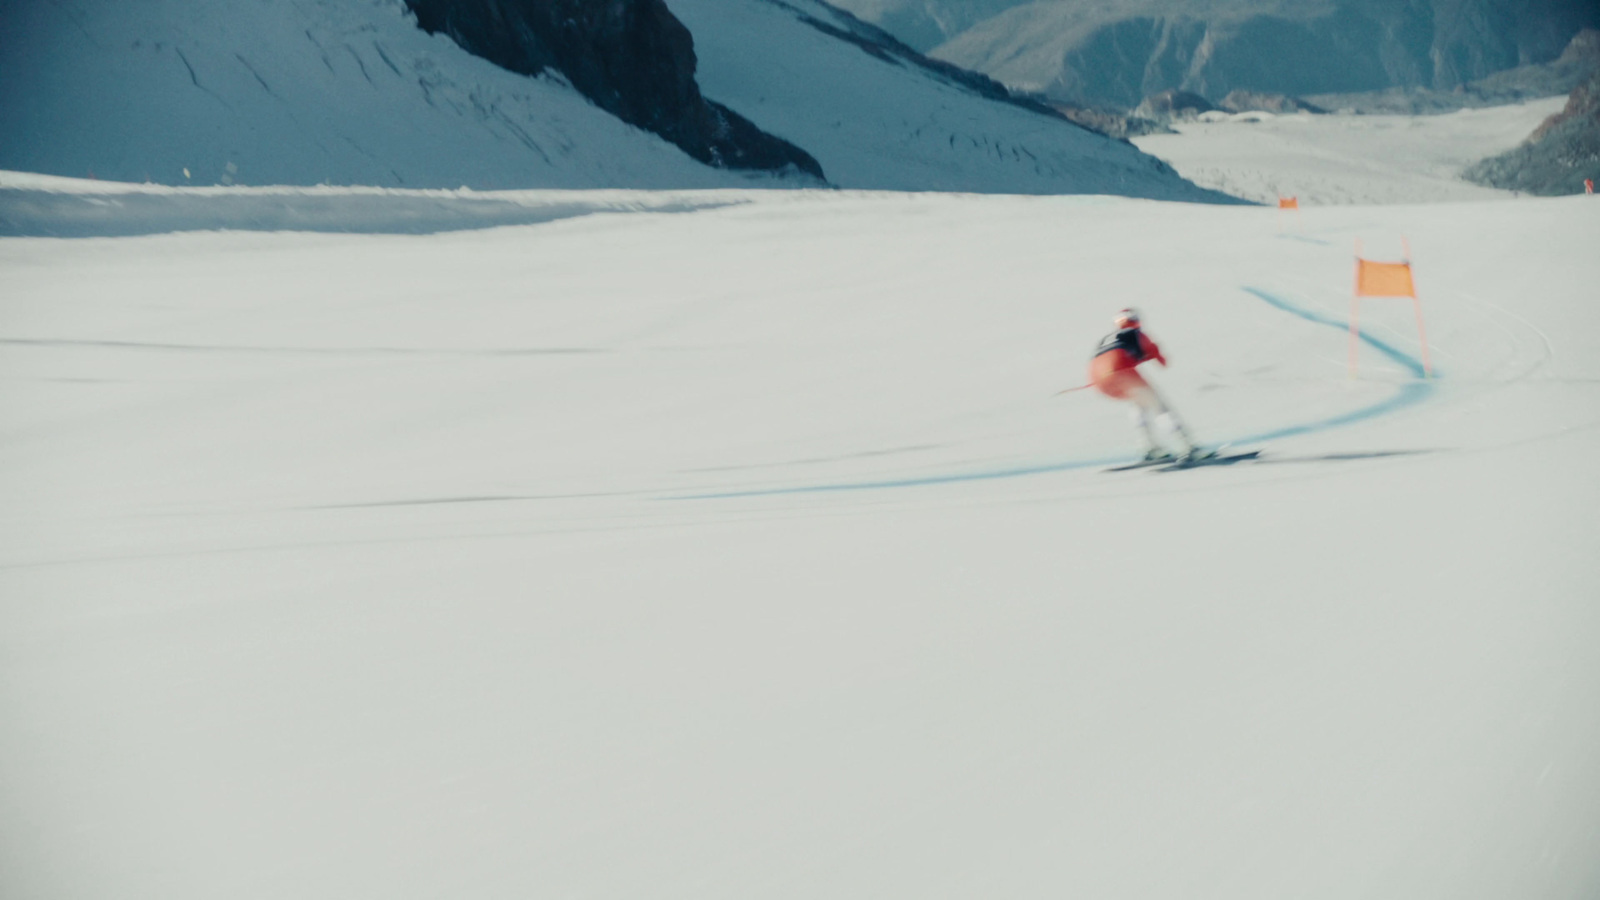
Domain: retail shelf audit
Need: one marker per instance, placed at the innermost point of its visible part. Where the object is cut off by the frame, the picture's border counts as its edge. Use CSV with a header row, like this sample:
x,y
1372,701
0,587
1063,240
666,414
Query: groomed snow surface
x,y
746,552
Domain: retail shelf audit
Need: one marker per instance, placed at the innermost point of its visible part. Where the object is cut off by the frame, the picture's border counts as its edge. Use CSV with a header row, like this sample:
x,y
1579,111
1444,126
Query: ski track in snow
x,y
1405,395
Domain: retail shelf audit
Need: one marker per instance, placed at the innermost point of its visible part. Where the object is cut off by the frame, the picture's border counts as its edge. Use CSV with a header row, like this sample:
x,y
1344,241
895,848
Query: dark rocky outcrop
x,y
1558,156
632,58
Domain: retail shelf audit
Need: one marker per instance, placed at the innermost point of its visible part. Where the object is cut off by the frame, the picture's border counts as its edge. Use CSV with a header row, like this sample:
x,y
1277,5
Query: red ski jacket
x,y
1128,348
1112,369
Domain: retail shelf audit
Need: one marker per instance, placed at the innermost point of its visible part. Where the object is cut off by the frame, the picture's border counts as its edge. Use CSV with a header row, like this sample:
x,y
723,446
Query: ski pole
x,y
1071,389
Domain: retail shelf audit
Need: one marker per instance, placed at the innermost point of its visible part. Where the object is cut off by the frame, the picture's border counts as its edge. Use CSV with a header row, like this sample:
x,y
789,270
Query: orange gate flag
x,y
1288,202
1381,279
1385,279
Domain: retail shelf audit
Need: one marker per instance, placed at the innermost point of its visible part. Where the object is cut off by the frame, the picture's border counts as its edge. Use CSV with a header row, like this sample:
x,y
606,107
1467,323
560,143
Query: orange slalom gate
x,y
1385,279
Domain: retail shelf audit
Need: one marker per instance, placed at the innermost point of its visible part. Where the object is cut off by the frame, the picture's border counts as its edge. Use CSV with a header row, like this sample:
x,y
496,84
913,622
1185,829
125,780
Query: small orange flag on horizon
x,y
1288,202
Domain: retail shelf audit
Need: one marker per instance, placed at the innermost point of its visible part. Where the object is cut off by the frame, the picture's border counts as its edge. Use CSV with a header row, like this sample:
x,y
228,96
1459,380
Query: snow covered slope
x,y
808,73
768,566
297,92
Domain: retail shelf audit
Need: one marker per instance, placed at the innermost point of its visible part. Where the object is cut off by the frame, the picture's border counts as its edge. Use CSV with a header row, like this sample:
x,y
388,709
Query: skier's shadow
x,y
1339,457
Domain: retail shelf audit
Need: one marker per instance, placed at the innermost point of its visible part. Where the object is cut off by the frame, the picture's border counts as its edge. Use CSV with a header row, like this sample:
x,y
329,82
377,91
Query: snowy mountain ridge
x,y
304,92
299,92
877,117
632,59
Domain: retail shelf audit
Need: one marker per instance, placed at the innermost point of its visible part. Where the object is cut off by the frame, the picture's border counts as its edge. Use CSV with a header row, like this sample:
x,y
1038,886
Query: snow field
x,y
340,565
1344,159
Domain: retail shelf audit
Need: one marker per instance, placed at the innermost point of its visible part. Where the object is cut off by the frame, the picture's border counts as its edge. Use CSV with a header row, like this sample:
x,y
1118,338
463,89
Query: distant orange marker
x,y
1588,185
1292,204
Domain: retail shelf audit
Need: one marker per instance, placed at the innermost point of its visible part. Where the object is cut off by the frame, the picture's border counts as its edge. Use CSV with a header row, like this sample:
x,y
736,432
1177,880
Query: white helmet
x,y
1127,318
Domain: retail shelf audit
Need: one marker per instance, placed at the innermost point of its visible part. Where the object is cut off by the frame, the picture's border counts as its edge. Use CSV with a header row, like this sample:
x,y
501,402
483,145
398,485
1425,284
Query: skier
x,y
1114,372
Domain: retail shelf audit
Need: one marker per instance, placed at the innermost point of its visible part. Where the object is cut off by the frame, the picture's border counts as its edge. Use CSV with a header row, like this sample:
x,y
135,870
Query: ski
x,y
1217,457
1214,459
1145,464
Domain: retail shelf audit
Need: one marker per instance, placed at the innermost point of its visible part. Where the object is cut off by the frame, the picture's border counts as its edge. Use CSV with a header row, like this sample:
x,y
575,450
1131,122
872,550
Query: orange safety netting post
x,y
1385,279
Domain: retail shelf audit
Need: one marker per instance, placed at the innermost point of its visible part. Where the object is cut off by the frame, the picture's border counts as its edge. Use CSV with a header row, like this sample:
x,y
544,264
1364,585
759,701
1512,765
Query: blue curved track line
x,y
1409,394
1389,350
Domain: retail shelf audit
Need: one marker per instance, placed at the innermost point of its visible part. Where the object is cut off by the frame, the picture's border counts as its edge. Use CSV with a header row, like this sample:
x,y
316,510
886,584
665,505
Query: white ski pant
x,y
1151,413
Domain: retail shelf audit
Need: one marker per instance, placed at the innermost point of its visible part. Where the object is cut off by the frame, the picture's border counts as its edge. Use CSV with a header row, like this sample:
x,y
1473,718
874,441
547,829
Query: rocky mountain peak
x,y
632,58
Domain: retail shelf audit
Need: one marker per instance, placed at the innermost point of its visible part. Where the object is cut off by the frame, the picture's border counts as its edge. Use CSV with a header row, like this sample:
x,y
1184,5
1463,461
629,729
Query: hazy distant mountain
x,y
1558,156
1560,76
1119,51
925,24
